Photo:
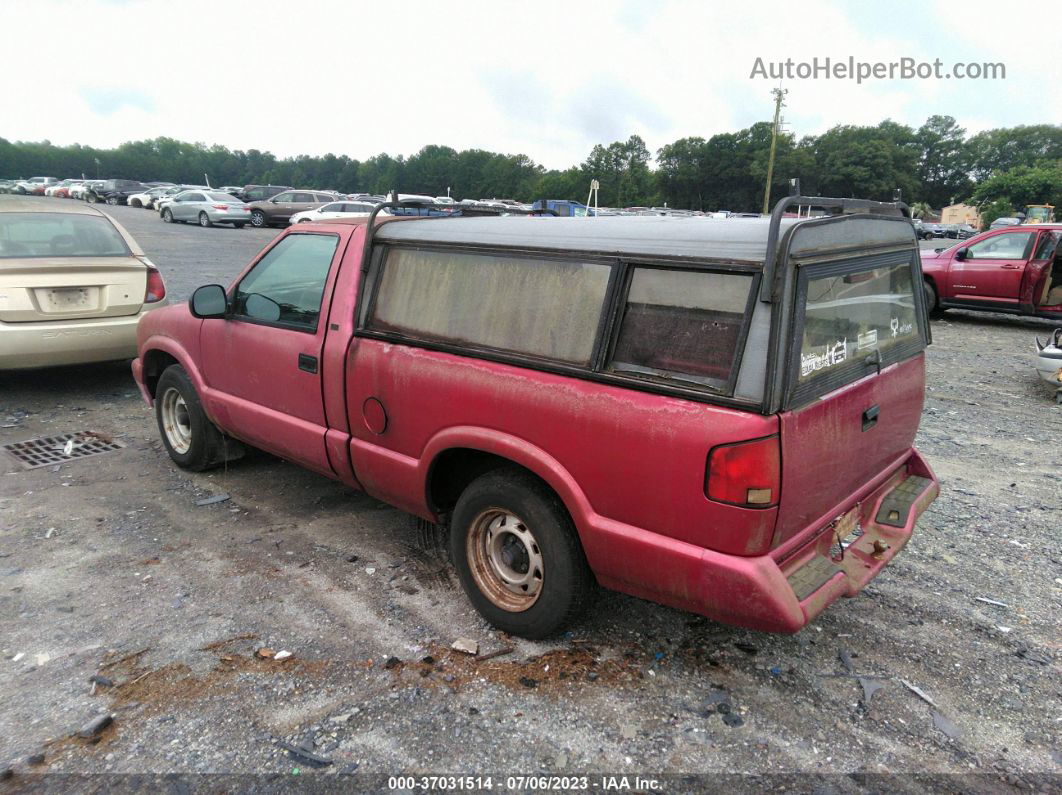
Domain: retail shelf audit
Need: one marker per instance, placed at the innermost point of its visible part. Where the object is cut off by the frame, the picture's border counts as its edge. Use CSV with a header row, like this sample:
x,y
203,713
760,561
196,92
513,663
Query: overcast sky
x,y
546,79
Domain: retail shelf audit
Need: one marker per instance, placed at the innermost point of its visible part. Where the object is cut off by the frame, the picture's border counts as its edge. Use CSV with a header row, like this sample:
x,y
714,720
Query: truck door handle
x,y
870,417
307,363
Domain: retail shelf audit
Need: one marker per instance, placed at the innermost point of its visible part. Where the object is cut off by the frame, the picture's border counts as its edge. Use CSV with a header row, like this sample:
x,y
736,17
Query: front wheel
x,y
518,555
113,201
258,218
167,216
204,220
191,439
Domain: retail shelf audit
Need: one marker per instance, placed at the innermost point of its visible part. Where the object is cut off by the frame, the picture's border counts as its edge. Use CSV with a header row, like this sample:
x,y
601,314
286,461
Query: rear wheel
x,y
191,439
518,555
113,201
258,218
204,220
167,216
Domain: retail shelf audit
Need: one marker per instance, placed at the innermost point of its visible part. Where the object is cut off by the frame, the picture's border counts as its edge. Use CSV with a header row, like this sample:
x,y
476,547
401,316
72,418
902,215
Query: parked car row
x,y
928,231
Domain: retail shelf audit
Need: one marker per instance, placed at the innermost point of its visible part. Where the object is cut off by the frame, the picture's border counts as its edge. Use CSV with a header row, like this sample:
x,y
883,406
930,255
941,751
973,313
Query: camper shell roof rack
x,y
834,207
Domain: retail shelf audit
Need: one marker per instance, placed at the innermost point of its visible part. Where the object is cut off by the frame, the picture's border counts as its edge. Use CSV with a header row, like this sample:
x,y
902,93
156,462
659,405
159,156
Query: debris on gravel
x,y
95,726
466,646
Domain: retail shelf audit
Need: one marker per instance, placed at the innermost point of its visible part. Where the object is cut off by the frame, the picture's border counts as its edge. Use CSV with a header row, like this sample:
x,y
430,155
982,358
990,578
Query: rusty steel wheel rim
x,y
176,421
505,560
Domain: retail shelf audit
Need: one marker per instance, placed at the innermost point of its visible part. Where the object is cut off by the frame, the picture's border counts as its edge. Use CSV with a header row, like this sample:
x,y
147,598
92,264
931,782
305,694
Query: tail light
x,y
220,206
156,288
746,473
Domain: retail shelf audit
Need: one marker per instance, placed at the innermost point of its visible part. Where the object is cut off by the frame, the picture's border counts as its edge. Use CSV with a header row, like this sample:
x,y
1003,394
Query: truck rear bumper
x,y
782,591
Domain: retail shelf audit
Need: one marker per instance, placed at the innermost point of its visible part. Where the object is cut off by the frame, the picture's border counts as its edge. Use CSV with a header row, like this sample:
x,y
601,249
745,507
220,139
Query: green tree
x,y
994,151
622,169
1000,208
866,162
1023,185
943,162
921,210
682,173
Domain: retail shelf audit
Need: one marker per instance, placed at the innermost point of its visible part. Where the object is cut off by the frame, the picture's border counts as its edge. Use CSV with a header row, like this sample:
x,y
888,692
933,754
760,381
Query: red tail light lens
x,y
156,288
747,473
220,206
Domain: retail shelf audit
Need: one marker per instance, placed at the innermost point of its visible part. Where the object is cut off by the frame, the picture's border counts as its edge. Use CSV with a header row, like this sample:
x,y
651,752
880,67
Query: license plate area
x,y
845,530
58,300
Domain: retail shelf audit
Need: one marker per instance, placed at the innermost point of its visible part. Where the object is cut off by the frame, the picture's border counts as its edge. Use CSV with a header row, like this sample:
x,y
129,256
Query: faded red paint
x,y
629,466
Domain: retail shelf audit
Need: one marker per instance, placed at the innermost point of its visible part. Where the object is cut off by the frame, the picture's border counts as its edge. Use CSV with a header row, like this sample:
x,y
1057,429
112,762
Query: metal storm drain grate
x,y
50,450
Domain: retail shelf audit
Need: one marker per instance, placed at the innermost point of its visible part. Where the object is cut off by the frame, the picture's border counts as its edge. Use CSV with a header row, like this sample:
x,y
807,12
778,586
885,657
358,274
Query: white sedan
x,y
346,209
148,197
78,191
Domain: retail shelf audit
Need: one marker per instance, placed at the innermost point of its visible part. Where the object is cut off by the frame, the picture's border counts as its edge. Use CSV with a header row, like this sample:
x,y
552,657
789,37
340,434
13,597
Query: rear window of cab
x,y
631,321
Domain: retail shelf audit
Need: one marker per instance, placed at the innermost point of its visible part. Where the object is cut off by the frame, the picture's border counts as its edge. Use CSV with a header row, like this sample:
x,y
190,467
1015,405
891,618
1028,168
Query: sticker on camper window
x,y
830,356
867,339
899,327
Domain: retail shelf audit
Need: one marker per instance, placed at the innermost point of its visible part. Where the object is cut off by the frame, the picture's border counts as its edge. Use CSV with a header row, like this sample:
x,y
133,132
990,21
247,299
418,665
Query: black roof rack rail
x,y
443,211
837,206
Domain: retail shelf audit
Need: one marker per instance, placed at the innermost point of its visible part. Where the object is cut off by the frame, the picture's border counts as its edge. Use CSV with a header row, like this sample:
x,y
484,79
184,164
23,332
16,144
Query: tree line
x,y
936,164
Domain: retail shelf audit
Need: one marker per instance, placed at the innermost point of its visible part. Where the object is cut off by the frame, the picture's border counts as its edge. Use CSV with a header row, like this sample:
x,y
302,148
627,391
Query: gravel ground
x,y
111,567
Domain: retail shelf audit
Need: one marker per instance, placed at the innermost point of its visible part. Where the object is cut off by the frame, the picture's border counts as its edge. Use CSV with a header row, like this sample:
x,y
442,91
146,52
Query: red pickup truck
x,y
714,414
1015,269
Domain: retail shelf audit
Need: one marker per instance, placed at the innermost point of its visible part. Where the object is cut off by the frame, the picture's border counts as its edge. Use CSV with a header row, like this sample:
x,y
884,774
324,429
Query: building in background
x,y
961,214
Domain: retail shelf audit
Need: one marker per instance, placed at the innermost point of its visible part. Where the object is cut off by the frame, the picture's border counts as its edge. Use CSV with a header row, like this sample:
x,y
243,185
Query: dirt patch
x,y
551,672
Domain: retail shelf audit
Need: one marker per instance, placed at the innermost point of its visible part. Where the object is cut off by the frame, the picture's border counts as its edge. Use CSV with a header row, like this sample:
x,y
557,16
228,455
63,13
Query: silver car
x,y
206,208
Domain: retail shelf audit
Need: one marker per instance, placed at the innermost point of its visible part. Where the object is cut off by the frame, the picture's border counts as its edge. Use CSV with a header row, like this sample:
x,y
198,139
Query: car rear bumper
x,y
30,345
784,590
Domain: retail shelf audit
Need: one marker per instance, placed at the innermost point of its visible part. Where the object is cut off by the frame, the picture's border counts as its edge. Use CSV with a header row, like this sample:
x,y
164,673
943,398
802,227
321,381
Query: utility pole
x,y
779,95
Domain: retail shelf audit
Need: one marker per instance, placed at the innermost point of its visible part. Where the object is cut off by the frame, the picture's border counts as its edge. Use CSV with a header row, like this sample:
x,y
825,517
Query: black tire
x,y
238,225
113,201
207,446
135,203
204,220
258,219
167,216
565,583
932,301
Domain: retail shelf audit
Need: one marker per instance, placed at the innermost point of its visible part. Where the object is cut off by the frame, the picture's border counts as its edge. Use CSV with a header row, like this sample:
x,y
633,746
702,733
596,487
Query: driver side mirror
x,y
960,255
209,302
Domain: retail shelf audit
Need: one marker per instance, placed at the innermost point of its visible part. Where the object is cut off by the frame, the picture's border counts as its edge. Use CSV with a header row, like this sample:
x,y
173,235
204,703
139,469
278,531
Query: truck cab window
x,y
287,284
